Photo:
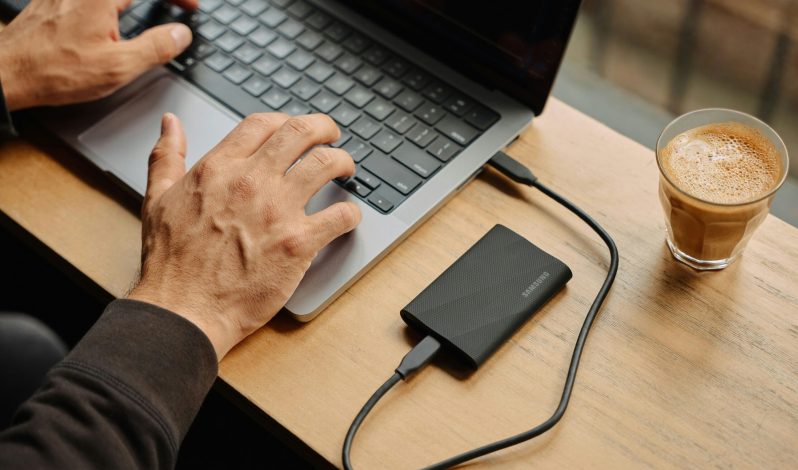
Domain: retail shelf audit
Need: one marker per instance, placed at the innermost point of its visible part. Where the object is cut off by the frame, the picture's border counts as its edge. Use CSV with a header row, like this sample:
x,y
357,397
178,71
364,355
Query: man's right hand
x,y
226,244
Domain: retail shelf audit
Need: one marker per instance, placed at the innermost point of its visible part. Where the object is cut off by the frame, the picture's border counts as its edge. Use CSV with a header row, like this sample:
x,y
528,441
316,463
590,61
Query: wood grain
x,y
682,369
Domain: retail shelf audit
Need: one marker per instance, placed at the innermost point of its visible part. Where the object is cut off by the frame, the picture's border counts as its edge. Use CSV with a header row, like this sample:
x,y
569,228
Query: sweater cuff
x,y
158,356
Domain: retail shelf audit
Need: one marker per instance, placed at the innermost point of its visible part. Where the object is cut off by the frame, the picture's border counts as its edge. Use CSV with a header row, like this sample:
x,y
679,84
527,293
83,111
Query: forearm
x,y
124,398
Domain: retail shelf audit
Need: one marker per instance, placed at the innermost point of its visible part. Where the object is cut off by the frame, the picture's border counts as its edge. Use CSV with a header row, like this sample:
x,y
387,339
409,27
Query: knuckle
x,y
244,186
158,153
161,51
203,172
345,216
322,157
295,243
299,126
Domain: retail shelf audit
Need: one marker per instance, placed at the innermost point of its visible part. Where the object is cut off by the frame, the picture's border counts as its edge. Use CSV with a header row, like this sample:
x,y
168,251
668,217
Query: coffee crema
x,y
723,163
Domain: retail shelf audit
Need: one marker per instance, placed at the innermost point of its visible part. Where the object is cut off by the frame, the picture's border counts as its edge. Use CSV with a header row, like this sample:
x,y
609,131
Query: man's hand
x,y
227,244
67,51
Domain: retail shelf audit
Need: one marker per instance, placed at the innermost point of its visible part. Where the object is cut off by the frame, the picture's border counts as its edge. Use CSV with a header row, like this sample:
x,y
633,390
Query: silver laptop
x,y
424,91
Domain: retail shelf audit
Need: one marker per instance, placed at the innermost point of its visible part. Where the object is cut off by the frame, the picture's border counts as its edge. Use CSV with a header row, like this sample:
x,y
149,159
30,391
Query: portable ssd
x,y
487,294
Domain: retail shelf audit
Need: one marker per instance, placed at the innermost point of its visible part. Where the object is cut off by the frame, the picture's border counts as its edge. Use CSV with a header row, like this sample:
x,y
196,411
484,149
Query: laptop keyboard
x,y
400,124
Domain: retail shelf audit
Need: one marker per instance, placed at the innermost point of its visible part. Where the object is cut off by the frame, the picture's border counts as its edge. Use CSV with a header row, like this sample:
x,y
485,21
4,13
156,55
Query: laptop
x,y
424,91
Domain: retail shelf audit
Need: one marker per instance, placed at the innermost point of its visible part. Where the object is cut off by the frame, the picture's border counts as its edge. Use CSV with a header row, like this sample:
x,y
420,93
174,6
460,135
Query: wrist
x,y
15,96
221,335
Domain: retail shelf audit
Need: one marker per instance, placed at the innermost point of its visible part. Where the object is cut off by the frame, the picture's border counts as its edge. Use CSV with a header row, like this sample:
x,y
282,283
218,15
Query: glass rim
x,y
785,157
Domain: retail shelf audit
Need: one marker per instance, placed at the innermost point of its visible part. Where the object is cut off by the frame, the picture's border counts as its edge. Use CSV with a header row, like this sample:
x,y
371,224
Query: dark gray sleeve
x,y
123,398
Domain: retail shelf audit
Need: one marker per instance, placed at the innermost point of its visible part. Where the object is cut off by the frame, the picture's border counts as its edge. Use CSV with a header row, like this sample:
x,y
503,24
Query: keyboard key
x,y
183,62
225,14
200,49
211,30
348,63
244,25
262,37
396,67
365,127
357,43
345,136
319,72
387,141
235,3
247,53
376,55
237,74
437,92
457,104
394,174
380,202
443,149
272,17
254,7
401,122
219,62
309,40
388,87
319,20
266,65
421,135
285,77
300,9
337,31
128,25
367,178
209,5
358,150
305,89
256,85
457,130
329,51
229,41
295,108
276,98
300,59
339,84
345,114
430,113
291,28
380,109
325,101
481,118
409,100
281,48
227,93
368,75
357,187
359,96
416,80
412,157
282,3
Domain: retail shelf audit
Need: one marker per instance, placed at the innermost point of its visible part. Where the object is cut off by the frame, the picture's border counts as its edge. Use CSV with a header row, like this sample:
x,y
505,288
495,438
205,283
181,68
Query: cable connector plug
x,y
512,169
418,357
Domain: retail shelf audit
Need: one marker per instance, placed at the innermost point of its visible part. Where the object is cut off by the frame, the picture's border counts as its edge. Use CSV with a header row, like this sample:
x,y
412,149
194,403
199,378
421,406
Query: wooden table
x,y
683,369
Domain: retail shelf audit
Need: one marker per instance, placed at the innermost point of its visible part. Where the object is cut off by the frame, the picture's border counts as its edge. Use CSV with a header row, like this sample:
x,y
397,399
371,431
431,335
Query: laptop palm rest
x,y
122,140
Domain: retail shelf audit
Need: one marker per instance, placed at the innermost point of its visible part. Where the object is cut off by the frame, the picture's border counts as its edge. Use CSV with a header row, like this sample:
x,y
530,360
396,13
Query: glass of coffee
x,y
719,170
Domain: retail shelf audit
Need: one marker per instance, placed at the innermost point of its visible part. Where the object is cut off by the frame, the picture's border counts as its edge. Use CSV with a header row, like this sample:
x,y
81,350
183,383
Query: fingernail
x,y
166,122
182,36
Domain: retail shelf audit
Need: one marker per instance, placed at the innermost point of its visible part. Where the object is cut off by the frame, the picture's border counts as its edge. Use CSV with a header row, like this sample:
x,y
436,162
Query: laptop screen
x,y
513,45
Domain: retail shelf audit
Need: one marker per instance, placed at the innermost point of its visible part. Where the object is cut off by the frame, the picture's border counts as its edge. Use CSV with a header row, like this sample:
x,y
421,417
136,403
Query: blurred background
x,y
635,65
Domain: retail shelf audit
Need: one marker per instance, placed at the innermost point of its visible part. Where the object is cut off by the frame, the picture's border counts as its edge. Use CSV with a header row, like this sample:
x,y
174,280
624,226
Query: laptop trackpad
x,y
123,139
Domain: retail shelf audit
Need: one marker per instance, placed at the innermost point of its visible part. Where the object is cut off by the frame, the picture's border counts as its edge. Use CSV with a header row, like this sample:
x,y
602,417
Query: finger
x,y
320,166
155,46
295,137
167,162
186,4
249,135
332,222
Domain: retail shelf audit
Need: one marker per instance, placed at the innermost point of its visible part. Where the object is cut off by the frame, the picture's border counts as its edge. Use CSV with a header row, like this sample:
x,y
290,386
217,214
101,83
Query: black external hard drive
x,y
487,294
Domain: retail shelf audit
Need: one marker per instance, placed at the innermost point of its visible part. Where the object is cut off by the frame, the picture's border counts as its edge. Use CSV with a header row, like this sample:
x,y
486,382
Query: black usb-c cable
x,y
423,352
